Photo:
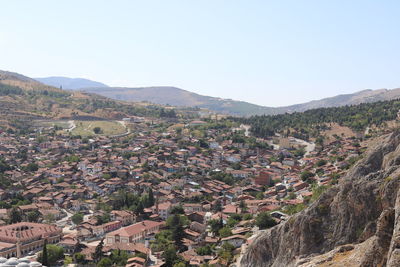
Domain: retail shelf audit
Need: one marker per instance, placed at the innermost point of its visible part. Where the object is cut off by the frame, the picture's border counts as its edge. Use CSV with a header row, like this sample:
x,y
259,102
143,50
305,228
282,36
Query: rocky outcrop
x,y
363,209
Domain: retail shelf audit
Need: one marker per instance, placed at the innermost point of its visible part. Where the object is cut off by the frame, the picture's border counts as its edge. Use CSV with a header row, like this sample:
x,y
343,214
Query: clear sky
x,y
266,52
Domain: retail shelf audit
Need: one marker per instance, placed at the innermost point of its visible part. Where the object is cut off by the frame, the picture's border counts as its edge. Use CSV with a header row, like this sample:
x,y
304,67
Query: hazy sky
x,y
266,52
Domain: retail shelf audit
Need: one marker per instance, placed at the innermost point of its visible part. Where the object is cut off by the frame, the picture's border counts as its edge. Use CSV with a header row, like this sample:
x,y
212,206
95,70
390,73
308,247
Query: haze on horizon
x,y
271,53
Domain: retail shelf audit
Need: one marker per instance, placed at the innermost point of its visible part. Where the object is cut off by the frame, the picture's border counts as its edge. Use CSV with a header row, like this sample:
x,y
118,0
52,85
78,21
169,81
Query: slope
x,y
179,97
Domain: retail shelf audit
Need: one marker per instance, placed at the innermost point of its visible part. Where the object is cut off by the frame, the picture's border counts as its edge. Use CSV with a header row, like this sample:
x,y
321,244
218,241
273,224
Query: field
x,y
86,128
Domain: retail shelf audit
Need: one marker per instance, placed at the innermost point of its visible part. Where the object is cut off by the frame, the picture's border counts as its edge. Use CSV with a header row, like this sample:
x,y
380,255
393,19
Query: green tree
x,y
225,232
105,262
119,257
77,218
45,257
170,256
31,167
97,130
177,230
215,225
51,254
15,215
264,220
242,206
226,252
33,216
79,258
151,198
98,253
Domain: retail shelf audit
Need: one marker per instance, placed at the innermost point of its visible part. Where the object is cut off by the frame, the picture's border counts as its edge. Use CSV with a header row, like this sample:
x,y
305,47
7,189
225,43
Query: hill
x,y
23,100
70,83
179,97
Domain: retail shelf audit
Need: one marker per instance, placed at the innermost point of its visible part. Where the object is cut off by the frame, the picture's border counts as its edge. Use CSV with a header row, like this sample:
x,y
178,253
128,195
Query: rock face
x,y
363,209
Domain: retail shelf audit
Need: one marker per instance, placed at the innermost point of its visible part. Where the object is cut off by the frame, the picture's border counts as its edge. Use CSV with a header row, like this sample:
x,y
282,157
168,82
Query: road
x,y
72,126
128,130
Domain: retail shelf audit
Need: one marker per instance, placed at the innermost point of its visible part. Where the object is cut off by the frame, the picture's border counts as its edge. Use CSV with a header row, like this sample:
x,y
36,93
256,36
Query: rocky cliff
x,y
355,223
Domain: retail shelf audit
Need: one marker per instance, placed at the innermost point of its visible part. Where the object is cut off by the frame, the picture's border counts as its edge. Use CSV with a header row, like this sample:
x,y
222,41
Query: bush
x,y
264,220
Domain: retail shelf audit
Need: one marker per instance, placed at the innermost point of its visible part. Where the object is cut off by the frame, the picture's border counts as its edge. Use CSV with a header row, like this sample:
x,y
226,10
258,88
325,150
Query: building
x,y
264,178
21,238
135,233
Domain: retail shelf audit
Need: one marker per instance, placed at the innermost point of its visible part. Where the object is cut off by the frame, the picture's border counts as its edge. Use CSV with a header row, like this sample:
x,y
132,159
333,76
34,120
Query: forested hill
x,y
356,117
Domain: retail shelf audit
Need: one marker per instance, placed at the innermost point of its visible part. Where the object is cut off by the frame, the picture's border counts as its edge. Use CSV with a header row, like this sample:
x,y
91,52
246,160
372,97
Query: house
x,y
264,178
135,233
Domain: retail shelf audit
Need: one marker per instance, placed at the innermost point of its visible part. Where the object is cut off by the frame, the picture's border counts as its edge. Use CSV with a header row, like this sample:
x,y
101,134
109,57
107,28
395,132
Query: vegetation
x,y
308,124
50,255
77,218
264,220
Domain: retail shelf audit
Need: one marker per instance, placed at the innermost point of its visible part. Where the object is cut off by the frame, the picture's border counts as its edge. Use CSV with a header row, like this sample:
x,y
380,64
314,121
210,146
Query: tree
x,y
50,254
215,225
77,218
151,198
119,257
218,206
79,258
31,167
225,232
15,215
33,216
226,251
139,208
105,262
98,253
45,260
97,130
177,210
305,175
205,250
170,256
264,220
242,206
177,230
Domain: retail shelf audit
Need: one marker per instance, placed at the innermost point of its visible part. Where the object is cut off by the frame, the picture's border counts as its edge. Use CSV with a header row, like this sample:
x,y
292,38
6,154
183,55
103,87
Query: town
x,y
167,193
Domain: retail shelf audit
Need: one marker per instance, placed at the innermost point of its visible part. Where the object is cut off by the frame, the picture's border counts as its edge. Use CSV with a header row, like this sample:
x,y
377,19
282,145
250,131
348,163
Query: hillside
x,y
70,83
179,97
359,214
23,100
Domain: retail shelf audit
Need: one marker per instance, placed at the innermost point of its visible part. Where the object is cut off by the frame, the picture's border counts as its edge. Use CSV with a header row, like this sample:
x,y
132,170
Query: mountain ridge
x,y
179,97
69,83
174,96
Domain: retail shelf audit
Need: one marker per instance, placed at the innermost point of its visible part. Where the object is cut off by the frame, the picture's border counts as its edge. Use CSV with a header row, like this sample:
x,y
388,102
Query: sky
x,y
272,53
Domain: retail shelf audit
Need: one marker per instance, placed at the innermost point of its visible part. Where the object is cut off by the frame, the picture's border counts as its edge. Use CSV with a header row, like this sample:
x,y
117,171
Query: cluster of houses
x,y
49,178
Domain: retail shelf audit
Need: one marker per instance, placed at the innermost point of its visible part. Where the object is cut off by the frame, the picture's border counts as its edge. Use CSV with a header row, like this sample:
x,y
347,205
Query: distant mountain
x,y
179,97
70,83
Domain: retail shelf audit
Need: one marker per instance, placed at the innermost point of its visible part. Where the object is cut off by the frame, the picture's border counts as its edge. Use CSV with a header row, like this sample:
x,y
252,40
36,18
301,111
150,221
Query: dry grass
x,y
85,128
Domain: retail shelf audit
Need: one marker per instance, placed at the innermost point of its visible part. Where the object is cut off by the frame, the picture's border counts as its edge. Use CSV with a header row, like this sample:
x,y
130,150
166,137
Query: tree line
x,y
308,123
